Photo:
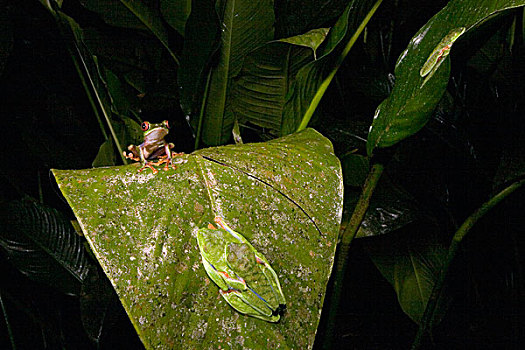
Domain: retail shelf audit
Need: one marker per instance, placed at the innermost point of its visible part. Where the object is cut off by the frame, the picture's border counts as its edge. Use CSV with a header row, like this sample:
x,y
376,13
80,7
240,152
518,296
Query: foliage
x,y
147,244
79,76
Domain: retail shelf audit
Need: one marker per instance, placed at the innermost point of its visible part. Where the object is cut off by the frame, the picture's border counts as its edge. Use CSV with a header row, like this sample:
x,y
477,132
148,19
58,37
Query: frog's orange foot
x,y
173,166
148,165
177,154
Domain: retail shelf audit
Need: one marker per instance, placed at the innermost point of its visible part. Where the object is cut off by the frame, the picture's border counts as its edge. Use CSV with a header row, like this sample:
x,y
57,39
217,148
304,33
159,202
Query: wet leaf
x,y
391,208
414,98
284,196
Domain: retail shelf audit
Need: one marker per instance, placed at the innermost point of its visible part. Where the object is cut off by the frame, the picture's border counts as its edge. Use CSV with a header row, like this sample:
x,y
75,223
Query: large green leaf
x,y
245,25
313,79
411,102
284,196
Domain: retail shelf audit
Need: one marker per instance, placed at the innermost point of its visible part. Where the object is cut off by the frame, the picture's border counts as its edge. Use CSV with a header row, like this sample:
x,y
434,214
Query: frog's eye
x,y
166,124
145,126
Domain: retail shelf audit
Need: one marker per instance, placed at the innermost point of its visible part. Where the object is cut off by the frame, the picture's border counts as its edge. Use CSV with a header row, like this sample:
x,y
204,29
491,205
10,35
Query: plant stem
x,y
326,82
7,323
201,111
342,255
452,250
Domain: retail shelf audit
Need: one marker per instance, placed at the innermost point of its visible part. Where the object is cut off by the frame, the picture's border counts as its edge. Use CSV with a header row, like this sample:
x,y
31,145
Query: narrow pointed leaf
x,y
284,196
415,95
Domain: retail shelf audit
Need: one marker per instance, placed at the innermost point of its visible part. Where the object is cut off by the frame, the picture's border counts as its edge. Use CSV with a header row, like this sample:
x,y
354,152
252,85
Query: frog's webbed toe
x,y
149,165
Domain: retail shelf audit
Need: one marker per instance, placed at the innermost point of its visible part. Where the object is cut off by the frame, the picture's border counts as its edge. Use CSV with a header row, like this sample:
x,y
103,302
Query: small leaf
x,y
298,16
43,245
311,39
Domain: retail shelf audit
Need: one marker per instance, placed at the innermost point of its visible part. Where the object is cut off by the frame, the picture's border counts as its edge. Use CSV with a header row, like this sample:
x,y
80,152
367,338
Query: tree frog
x,y
246,280
440,52
153,147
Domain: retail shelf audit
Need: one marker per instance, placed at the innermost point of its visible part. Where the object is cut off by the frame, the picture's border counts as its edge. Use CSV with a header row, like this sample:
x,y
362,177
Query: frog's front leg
x,y
133,154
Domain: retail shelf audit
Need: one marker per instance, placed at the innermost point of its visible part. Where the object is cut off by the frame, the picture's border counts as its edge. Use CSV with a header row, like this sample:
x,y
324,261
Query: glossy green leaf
x,y
313,79
411,265
43,245
176,12
245,25
285,196
411,102
311,39
259,91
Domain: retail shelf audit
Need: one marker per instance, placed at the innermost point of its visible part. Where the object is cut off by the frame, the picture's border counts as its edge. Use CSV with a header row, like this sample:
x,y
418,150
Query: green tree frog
x,y
153,147
440,52
246,280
